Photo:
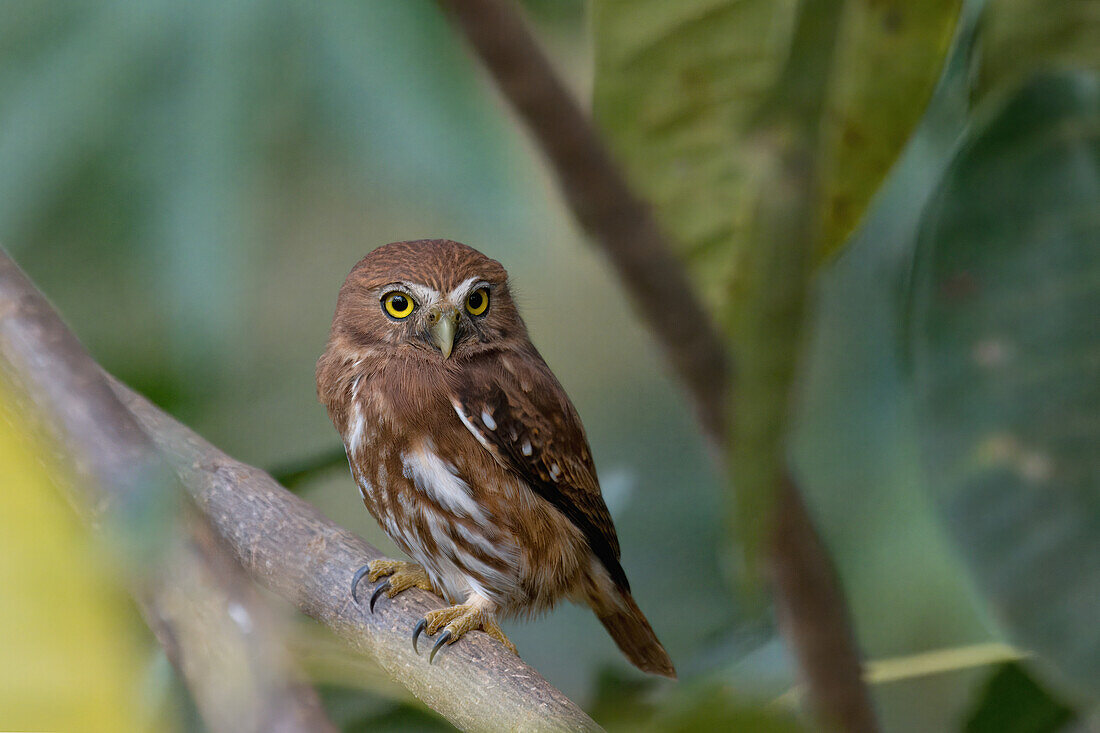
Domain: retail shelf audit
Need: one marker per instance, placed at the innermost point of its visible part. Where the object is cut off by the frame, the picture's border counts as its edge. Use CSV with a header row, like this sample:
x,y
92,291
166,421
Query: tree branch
x,y
286,544
281,540
810,605
192,597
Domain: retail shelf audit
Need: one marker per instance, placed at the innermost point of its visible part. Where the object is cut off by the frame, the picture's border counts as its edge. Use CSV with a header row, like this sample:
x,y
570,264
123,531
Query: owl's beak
x,y
443,330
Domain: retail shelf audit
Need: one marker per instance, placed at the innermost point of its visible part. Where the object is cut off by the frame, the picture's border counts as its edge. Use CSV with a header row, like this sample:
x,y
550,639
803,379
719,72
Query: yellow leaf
x,y
72,654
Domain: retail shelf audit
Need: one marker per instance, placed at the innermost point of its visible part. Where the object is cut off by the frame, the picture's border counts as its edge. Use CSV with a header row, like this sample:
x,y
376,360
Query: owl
x,y
468,452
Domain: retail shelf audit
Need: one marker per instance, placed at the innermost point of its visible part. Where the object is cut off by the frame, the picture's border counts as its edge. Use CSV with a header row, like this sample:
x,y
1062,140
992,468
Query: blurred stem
x,y
774,281
771,284
772,278
810,604
193,597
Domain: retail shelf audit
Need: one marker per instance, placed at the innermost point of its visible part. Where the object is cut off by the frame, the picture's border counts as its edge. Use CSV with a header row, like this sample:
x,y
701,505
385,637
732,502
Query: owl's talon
x,y
440,642
382,588
355,581
420,626
402,575
456,621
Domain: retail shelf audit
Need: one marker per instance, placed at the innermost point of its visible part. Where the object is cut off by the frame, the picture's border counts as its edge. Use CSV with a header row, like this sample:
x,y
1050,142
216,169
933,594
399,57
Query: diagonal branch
x,y
286,544
192,596
811,607
281,540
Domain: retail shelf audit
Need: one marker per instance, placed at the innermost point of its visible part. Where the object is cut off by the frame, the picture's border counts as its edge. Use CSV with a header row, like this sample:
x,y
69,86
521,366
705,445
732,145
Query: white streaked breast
x,y
438,480
356,428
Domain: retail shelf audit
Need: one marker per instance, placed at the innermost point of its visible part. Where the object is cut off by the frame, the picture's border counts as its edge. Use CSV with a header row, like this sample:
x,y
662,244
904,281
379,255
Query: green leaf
x,y
1005,343
678,85
1022,38
889,57
1012,702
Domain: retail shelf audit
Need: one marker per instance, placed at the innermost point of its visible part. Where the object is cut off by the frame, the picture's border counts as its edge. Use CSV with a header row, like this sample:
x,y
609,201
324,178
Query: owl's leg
x,y
402,576
477,613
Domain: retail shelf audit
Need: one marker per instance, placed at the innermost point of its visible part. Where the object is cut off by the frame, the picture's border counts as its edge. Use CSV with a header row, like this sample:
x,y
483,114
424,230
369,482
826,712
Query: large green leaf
x,y
678,83
1020,38
1005,329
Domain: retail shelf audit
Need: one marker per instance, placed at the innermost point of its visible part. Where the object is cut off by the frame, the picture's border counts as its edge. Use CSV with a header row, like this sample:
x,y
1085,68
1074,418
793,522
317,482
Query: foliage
x,y
1004,360
1021,38
1011,702
679,87
1002,338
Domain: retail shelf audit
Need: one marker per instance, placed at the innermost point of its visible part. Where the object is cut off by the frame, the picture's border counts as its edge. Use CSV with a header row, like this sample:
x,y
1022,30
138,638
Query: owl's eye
x,y
477,302
397,304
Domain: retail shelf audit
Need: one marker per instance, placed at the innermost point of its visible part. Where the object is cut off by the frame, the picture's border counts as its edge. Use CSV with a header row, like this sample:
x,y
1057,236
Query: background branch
x,y
811,607
193,598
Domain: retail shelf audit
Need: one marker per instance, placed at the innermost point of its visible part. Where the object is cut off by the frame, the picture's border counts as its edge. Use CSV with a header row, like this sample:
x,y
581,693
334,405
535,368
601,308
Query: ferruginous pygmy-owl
x,y
468,452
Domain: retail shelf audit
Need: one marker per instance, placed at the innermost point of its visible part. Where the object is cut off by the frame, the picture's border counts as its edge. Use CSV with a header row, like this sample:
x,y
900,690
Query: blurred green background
x,y
189,183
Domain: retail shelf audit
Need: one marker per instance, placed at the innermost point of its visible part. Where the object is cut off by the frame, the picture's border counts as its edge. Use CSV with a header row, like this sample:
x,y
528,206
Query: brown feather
x,y
537,434
631,631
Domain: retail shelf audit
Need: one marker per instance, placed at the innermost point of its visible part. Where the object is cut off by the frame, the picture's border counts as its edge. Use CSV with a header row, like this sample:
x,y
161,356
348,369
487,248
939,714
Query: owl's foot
x,y
402,576
458,620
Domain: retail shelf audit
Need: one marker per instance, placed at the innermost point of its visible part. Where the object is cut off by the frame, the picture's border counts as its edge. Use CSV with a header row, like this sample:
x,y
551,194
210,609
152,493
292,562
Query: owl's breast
x,y
432,503
447,502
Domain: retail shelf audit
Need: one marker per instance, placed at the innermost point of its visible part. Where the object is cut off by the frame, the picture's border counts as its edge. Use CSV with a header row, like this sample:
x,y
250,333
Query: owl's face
x,y
435,299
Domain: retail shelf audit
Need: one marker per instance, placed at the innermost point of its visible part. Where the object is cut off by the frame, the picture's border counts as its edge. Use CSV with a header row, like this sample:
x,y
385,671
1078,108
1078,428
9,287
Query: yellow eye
x,y
477,302
397,304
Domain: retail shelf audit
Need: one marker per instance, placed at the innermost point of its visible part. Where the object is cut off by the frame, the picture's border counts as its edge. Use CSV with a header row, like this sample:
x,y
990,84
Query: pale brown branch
x,y
810,604
193,597
286,544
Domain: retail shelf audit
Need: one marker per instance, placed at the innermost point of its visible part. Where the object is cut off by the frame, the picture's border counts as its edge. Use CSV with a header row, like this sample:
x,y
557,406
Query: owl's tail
x,y
630,630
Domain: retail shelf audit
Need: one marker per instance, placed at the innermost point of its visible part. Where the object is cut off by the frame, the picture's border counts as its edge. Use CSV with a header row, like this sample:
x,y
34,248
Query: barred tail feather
x,y
630,630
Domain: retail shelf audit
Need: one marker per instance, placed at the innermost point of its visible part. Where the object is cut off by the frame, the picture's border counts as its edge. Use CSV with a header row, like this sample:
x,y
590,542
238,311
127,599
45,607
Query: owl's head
x,y
431,297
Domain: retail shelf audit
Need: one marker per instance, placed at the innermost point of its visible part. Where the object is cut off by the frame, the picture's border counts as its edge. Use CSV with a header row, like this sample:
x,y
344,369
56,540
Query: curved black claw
x,y
377,592
355,581
443,639
420,626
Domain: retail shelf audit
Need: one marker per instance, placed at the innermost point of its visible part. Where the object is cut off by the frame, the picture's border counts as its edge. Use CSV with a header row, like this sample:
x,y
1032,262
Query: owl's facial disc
x,y
443,322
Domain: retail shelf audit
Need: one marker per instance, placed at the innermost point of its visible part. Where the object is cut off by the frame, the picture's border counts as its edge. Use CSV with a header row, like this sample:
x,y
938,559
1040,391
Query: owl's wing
x,y
524,418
